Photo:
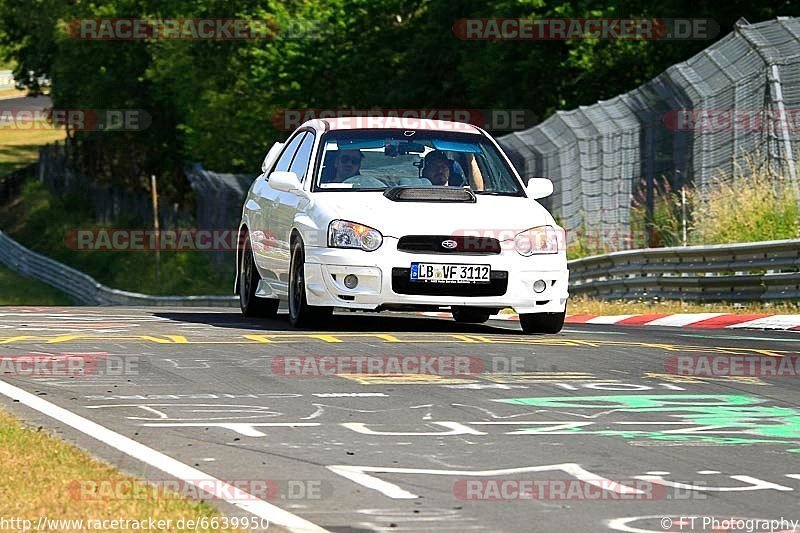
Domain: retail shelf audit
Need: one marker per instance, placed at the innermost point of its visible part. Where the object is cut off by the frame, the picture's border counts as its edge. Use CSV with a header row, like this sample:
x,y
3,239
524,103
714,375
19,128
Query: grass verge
x,y
20,147
39,475
19,290
41,221
12,93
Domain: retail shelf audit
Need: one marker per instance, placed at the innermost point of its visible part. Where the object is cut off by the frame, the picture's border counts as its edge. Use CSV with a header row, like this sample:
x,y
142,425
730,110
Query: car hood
x,y
490,214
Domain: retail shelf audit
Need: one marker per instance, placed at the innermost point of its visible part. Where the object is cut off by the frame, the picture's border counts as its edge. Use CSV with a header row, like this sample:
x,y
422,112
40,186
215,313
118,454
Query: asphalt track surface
x,y
417,452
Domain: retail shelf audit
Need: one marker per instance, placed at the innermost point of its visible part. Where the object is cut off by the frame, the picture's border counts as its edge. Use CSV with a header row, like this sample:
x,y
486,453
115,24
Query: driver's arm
x,y
475,176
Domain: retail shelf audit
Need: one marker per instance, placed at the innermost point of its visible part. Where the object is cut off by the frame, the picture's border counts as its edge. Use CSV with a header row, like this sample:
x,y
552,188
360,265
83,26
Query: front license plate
x,y
450,273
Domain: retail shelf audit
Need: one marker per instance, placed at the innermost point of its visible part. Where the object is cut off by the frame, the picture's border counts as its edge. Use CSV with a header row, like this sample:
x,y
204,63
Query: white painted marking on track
x,y
607,319
682,319
162,462
770,322
358,474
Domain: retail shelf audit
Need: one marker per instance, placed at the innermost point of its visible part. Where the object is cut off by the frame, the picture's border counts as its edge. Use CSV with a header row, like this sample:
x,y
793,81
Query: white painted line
x,y
770,322
165,463
358,474
608,319
682,319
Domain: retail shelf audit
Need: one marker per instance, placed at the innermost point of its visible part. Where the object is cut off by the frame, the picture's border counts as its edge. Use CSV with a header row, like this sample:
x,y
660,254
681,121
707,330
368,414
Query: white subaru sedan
x,y
399,214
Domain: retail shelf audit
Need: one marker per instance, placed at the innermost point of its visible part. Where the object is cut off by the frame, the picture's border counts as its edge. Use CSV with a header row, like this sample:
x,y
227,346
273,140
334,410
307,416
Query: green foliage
x,y
665,228
42,221
18,290
214,101
754,204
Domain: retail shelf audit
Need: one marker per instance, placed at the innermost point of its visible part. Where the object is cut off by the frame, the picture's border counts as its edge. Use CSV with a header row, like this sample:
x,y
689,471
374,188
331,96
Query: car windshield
x,y
380,159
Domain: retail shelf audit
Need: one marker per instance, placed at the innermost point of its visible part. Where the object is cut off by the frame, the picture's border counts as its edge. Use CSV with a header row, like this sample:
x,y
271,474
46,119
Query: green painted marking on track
x,y
739,415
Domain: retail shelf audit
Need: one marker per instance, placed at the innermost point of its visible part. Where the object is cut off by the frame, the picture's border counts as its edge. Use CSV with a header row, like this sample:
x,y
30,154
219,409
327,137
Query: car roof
x,y
388,122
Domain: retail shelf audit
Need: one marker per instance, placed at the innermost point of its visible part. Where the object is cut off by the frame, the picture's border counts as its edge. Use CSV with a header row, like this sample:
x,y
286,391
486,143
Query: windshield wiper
x,y
495,193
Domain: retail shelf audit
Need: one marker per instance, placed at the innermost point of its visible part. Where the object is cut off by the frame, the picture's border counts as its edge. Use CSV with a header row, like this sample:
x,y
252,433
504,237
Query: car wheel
x,y
300,313
471,315
542,322
250,304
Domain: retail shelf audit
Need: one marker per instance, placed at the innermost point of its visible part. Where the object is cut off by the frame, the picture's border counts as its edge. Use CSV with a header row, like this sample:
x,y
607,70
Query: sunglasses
x,y
346,159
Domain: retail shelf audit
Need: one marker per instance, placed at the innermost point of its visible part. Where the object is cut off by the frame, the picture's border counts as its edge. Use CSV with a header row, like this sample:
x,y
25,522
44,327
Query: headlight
x,y
538,240
344,234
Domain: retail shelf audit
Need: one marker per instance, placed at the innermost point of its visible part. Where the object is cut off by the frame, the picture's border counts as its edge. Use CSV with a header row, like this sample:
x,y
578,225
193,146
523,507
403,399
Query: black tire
x,y
471,315
251,305
301,314
542,322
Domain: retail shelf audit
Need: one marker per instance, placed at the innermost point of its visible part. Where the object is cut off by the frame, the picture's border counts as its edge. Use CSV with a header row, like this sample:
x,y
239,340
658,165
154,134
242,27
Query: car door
x,y
267,198
287,206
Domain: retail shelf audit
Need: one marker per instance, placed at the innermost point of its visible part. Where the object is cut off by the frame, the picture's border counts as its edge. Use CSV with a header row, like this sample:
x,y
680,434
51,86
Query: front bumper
x,y
326,268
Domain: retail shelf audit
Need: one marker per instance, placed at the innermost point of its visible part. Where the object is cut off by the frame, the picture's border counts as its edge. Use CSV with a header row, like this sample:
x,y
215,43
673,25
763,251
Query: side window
x,y
303,157
288,153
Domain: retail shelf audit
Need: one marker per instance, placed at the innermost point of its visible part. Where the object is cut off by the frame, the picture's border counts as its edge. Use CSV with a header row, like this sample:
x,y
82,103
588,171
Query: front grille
x,y
464,244
402,284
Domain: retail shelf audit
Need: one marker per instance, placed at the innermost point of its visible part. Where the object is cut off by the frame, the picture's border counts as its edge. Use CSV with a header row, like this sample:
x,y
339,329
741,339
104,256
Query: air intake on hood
x,y
429,194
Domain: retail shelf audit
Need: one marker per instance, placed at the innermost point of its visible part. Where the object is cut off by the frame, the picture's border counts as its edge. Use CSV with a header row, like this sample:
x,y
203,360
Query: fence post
x,y
777,99
154,195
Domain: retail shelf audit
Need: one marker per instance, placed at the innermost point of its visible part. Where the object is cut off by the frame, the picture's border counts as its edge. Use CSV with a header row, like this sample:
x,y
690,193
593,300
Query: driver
x,y
440,170
346,165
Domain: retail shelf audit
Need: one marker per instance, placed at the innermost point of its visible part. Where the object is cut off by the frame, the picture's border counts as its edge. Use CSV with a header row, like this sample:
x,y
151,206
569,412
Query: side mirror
x,y
271,156
284,181
539,188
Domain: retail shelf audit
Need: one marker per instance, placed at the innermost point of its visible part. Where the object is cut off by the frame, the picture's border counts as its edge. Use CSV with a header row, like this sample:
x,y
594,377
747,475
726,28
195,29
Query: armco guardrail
x,y
761,271
86,289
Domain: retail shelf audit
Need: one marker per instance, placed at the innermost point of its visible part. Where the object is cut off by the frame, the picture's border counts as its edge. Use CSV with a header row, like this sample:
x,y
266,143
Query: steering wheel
x,y
367,182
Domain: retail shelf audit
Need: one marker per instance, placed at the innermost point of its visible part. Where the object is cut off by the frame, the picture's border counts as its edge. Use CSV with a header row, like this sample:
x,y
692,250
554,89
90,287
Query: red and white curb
x,y
678,320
